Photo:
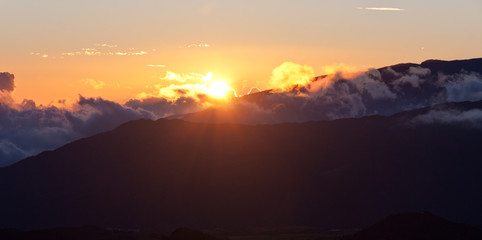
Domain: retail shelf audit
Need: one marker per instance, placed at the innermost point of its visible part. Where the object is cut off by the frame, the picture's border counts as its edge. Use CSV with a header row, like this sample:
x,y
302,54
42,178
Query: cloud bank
x,y
383,91
470,118
27,129
297,96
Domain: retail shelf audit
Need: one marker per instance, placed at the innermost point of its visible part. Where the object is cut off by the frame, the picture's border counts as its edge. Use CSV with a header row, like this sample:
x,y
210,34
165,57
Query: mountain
x,y
172,173
77,233
384,91
98,233
417,226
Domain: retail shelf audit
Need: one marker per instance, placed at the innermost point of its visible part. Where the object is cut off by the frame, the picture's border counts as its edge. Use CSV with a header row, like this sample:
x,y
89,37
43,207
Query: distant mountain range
x,y
172,173
27,128
406,226
384,91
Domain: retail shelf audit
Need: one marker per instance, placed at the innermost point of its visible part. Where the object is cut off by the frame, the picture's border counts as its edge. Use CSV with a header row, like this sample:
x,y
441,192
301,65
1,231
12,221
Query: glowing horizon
x,y
120,49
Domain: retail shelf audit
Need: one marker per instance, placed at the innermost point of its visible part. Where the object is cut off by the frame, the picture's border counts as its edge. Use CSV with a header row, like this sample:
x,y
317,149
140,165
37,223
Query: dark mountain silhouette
x,y
441,66
98,233
417,226
171,173
190,234
75,233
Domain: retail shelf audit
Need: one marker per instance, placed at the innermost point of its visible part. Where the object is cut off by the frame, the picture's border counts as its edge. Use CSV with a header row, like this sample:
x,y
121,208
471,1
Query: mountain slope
x,y
171,173
417,226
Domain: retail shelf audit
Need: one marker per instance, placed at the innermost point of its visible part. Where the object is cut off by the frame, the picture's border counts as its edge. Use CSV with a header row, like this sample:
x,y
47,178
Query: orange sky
x,y
119,49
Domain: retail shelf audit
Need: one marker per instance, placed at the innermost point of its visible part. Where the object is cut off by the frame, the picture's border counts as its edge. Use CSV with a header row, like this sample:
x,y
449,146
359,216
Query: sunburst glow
x,y
219,89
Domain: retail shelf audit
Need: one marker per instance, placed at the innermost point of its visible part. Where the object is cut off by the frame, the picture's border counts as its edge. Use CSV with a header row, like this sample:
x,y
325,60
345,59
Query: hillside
x,y
171,173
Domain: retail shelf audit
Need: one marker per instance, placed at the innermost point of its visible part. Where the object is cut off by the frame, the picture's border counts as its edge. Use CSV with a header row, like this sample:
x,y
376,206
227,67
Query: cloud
x,y
27,129
7,82
346,95
198,45
104,49
192,85
291,74
10,153
463,87
381,9
372,84
156,65
107,45
93,115
96,84
470,118
412,80
162,107
420,71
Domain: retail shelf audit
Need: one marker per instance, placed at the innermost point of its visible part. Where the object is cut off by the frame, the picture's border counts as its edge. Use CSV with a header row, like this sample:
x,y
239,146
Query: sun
x,y
219,89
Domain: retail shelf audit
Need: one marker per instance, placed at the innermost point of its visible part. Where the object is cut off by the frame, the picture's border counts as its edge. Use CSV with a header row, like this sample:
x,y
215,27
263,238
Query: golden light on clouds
x,y
202,88
96,84
290,74
340,68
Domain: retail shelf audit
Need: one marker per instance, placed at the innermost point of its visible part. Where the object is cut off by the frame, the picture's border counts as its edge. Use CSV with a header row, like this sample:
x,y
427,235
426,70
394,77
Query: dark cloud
x,y
97,115
162,107
26,129
7,81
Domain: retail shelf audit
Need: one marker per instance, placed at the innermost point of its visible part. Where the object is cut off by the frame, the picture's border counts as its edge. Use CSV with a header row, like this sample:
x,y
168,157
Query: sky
x,y
121,50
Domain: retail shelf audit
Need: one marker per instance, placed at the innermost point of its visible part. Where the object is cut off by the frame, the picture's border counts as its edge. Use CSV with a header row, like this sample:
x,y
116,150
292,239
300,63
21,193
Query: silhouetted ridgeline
x,y
170,173
97,233
417,226
405,226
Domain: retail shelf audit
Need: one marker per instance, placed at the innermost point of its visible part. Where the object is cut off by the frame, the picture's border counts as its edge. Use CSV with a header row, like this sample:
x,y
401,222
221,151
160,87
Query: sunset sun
x,y
219,89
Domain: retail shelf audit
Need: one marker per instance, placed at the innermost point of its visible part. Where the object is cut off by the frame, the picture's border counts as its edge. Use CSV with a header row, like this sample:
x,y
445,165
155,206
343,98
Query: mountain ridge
x,y
383,91
171,173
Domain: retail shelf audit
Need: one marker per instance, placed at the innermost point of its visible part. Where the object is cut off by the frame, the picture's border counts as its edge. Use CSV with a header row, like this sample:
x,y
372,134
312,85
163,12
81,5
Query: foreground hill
x,y
97,233
416,226
404,226
171,173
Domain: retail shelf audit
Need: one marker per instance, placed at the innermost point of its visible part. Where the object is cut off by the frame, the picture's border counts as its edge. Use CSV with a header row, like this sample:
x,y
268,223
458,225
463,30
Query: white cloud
x,y
96,84
420,71
156,65
104,49
105,45
381,9
198,45
464,87
472,118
